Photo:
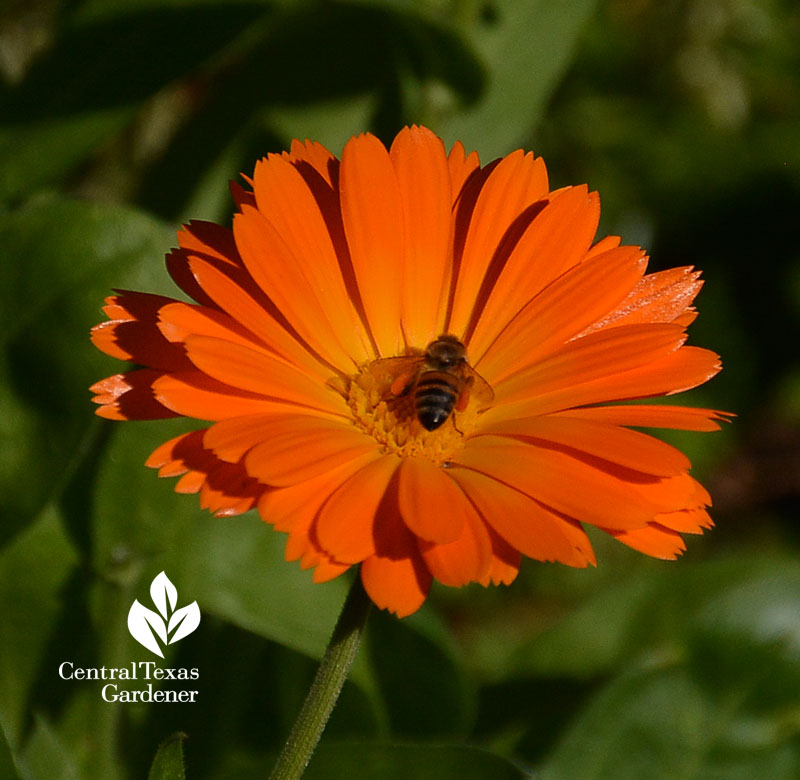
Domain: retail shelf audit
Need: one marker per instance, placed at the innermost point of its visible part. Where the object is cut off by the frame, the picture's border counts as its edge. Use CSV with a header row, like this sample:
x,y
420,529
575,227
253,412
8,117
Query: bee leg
x,y
402,384
463,400
461,405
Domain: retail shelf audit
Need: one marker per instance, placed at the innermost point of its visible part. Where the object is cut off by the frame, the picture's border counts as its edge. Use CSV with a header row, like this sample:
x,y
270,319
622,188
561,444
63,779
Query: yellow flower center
x,y
392,420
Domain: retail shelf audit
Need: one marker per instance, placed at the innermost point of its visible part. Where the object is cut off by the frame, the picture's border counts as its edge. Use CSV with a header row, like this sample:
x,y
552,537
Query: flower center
x,y
389,415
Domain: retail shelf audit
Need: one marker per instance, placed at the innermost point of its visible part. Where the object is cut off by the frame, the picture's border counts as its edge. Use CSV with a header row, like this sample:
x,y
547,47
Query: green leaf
x,y
61,260
429,697
46,755
168,761
659,722
8,768
33,571
745,641
399,762
526,47
67,105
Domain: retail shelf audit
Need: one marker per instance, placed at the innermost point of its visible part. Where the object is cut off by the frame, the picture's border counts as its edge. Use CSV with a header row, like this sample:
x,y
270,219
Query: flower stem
x,y
327,685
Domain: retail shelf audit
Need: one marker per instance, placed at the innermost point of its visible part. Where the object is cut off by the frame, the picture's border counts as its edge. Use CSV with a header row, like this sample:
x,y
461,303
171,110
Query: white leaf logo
x,y
169,626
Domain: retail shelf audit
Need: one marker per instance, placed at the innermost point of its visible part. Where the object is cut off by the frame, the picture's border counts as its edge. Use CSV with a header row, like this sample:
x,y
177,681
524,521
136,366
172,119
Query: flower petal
x,y
130,396
556,240
460,166
664,296
505,560
395,577
180,320
346,523
283,195
627,448
431,504
684,418
210,242
233,438
294,508
681,370
524,523
258,372
466,559
195,394
423,179
653,540
373,222
295,448
594,357
132,333
566,484
512,185
225,488
277,270
559,312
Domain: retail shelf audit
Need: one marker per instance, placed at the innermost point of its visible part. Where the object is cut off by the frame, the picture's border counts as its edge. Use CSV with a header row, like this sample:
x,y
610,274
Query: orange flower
x,y
332,267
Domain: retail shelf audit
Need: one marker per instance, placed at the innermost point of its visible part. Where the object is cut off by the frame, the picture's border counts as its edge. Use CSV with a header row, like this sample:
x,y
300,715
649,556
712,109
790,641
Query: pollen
x,y
392,420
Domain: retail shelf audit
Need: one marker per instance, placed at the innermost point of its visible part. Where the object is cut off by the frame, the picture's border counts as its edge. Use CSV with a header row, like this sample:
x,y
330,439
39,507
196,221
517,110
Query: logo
x,y
167,626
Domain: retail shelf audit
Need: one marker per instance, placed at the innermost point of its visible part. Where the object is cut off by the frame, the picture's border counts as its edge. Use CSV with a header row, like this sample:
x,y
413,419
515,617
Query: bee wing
x,y
480,389
396,372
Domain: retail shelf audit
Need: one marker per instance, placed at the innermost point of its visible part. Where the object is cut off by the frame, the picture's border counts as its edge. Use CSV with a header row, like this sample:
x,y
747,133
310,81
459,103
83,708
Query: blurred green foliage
x,y
119,118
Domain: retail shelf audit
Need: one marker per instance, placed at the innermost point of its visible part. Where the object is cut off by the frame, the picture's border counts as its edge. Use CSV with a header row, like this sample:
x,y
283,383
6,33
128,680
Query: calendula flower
x,y
305,350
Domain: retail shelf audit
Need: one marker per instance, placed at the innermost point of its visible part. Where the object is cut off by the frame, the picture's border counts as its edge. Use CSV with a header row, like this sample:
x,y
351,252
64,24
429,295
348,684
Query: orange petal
x,y
653,540
225,488
420,166
431,504
562,310
627,448
505,560
660,297
516,182
395,577
555,240
686,368
129,396
285,198
294,508
242,320
684,418
234,437
372,213
603,245
296,448
132,333
460,166
241,196
194,394
569,485
687,521
467,559
523,523
211,241
258,372
206,240
317,156
345,526
674,494
279,272
598,356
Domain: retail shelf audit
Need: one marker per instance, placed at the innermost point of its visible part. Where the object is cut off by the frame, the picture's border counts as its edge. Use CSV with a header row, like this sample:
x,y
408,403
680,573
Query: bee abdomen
x,y
435,398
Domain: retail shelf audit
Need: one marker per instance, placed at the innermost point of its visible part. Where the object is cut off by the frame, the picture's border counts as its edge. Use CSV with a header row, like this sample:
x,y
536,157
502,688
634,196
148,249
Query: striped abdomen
x,y
435,396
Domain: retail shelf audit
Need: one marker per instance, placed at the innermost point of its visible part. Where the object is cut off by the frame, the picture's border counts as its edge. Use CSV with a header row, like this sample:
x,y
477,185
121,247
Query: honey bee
x,y
440,380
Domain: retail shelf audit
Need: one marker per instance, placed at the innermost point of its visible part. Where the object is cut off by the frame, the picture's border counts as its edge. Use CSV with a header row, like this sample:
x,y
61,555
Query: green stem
x,y
326,687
